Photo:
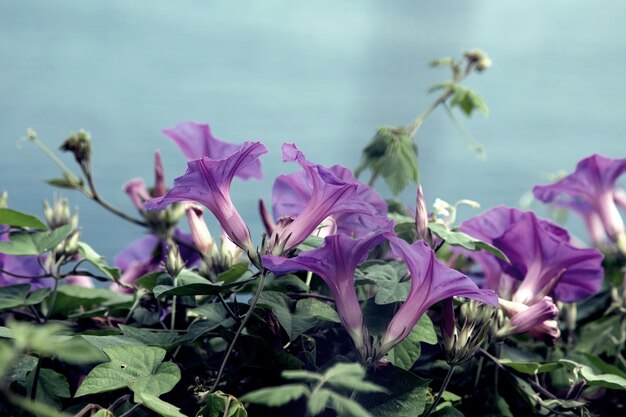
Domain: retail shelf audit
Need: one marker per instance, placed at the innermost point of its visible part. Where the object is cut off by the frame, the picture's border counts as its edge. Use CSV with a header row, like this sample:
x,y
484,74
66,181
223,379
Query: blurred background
x,y
322,74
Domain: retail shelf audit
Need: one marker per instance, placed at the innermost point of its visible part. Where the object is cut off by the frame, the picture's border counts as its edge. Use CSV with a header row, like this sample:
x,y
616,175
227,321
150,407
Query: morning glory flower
x,y
196,141
207,181
325,194
593,182
292,192
335,262
431,282
544,264
541,255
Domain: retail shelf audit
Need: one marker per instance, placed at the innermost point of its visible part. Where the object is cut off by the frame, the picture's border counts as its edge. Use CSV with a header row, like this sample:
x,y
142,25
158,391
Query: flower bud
x,y
159,178
3,199
421,218
59,214
199,231
478,58
174,263
80,145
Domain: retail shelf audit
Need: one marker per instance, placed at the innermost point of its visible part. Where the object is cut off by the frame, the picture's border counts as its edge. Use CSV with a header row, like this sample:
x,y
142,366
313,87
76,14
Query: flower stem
x,y
446,381
242,325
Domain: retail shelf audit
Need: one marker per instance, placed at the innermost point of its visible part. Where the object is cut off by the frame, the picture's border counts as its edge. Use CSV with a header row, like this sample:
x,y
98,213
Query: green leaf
x,y
318,309
219,404
456,238
310,243
346,407
280,305
37,408
596,377
24,243
388,278
287,283
18,219
152,280
302,375
190,283
13,296
74,297
236,272
149,338
406,397
215,315
405,353
318,401
22,367
88,254
139,368
276,396
51,387
393,155
468,100
159,406
530,368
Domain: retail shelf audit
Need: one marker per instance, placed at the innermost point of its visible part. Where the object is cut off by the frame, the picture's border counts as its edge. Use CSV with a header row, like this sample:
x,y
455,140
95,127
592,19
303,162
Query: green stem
x,y
66,170
446,381
242,325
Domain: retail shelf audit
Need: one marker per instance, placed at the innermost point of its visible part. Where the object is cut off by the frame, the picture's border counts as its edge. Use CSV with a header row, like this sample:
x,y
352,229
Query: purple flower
x,y
538,319
541,256
594,183
208,181
431,282
292,192
28,266
196,141
146,255
335,262
325,194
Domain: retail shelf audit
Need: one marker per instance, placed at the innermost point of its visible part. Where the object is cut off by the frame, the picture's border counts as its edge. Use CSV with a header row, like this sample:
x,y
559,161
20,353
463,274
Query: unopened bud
x,y
3,199
174,263
159,178
59,214
199,231
464,336
71,243
80,145
421,218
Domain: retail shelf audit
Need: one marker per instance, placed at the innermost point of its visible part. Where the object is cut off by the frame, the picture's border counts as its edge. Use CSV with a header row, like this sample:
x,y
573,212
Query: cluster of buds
x,y
58,214
174,263
215,259
464,335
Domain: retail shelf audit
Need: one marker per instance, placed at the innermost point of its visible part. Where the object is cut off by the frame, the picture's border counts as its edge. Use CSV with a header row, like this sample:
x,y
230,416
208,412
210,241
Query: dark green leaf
x,y
276,396
530,368
293,323
51,387
13,296
456,238
18,219
24,243
140,368
190,283
87,253
596,377
149,338
318,309
219,404
73,297
236,272
407,393
346,407
405,353
388,278
159,406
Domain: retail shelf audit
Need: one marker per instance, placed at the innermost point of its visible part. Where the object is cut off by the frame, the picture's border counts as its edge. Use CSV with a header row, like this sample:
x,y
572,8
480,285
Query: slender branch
x,y
444,385
242,325
3,271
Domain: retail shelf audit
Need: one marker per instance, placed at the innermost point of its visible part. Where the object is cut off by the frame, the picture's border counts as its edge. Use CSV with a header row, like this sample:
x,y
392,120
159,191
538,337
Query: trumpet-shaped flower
x,y
431,282
593,182
196,141
335,262
325,194
291,192
541,255
207,181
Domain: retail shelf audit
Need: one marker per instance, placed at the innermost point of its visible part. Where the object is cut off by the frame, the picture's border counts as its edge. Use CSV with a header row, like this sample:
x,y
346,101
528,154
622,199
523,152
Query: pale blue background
x,y
322,74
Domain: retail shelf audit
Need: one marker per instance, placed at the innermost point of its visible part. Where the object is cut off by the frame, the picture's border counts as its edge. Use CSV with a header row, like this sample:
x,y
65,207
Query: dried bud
x,y
174,263
80,145
478,58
